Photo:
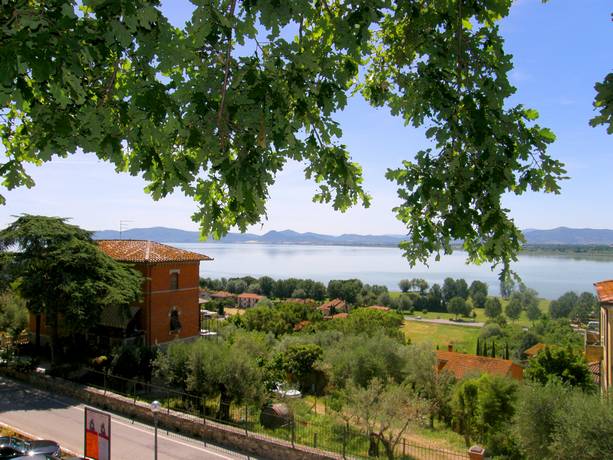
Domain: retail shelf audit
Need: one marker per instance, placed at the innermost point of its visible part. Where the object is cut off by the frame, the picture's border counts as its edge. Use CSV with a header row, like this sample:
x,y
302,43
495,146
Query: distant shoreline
x,y
567,251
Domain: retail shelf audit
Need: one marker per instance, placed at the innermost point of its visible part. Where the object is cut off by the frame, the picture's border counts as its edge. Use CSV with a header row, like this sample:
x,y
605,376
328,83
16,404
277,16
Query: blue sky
x,y
560,50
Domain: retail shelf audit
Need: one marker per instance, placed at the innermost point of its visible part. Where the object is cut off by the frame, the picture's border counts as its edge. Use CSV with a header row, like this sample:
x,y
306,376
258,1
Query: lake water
x,y
550,276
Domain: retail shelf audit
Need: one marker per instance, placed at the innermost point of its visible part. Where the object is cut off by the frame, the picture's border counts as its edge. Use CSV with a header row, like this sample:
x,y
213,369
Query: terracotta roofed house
x,y
248,299
534,350
461,365
333,306
169,307
221,295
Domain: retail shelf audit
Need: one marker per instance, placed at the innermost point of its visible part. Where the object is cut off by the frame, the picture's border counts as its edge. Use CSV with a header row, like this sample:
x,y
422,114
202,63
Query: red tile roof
x,y
249,295
595,370
460,365
604,291
147,251
379,307
338,304
534,349
301,325
298,300
340,315
221,294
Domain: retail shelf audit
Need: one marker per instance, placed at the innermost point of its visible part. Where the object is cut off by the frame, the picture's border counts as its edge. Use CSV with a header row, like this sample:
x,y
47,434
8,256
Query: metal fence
x,y
338,436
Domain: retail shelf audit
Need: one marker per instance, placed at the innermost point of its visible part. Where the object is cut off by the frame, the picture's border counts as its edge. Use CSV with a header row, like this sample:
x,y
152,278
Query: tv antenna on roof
x,y
122,226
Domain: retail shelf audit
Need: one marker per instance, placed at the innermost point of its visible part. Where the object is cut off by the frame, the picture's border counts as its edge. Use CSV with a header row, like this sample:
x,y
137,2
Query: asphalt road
x,y
443,321
48,416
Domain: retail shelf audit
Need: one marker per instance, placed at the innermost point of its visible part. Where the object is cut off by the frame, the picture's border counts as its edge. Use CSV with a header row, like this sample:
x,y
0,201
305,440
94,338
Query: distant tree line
x,y
352,291
453,296
269,287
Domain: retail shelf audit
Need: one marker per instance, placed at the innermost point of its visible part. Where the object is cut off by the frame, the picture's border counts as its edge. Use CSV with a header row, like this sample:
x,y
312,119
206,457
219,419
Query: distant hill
x,y
556,236
172,235
565,235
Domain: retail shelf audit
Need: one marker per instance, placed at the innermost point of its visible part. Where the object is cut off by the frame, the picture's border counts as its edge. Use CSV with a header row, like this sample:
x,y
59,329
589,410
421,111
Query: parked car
x,y
281,390
12,447
36,457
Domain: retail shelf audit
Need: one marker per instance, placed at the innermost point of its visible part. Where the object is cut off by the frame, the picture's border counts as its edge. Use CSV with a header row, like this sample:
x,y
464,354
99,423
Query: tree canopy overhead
x,y
217,107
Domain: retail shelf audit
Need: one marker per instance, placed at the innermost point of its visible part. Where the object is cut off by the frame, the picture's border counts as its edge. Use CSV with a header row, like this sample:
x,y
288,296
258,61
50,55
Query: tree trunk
x,y
37,339
389,449
223,412
373,445
54,338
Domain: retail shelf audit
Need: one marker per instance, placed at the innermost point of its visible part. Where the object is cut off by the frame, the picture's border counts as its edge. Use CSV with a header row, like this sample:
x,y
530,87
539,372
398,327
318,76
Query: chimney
x,y
449,347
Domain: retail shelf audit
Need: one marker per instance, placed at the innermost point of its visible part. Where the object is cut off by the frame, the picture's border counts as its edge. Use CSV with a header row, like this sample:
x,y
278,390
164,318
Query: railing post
x,y
134,390
345,432
404,447
293,433
246,417
315,440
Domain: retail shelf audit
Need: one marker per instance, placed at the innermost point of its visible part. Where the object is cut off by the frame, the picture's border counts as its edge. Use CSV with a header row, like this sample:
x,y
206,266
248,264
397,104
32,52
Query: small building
x,y
333,306
221,295
302,301
534,350
462,365
248,299
169,306
340,316
604,292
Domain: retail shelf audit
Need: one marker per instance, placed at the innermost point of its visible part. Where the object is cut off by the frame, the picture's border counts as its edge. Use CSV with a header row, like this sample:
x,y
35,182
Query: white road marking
x,y
81,407
33,436
202,449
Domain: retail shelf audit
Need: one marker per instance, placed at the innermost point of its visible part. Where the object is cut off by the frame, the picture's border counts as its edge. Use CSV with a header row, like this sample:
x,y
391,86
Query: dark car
x,y
36,457
11,447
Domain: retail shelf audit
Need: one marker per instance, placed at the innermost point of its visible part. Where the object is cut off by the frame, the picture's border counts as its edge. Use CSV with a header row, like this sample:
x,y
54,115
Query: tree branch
x,y
224,88
110,84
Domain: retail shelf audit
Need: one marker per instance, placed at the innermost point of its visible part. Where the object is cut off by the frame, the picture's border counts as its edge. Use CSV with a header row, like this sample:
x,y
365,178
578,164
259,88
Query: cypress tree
x,y
484,348
478,352
494,349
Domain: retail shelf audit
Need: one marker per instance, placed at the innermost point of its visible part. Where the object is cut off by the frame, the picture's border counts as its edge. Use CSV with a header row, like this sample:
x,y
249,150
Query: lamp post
x,y
155,408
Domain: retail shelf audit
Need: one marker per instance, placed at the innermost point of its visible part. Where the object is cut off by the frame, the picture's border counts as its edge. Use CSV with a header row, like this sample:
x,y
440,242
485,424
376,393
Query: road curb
x,y
27,435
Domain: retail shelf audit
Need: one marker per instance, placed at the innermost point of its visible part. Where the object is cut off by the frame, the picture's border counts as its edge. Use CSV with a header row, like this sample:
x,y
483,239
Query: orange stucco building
x,y
604,291
169,307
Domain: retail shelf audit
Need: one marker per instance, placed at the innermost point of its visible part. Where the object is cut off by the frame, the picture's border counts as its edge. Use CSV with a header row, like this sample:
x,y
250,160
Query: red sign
x,y
97,434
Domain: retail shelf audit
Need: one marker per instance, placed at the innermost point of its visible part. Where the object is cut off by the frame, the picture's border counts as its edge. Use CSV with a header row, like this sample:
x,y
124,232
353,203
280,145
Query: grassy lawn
x,y
523,319
480,314
314,417
444,315
462,338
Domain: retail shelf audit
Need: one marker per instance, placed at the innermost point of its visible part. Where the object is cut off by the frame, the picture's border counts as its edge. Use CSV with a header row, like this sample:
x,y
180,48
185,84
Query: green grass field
x,y
462,338
480,314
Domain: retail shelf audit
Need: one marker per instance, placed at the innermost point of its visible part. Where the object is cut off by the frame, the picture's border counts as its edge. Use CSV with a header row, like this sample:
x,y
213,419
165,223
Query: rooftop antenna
x,y
123,225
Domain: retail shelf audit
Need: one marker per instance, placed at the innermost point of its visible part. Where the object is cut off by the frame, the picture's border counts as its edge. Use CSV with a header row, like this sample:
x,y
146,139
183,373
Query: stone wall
x,y
223,435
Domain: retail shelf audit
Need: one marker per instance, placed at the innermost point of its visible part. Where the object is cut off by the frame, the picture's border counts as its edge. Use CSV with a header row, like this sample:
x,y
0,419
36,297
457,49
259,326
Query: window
x,y
175,323
174,280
